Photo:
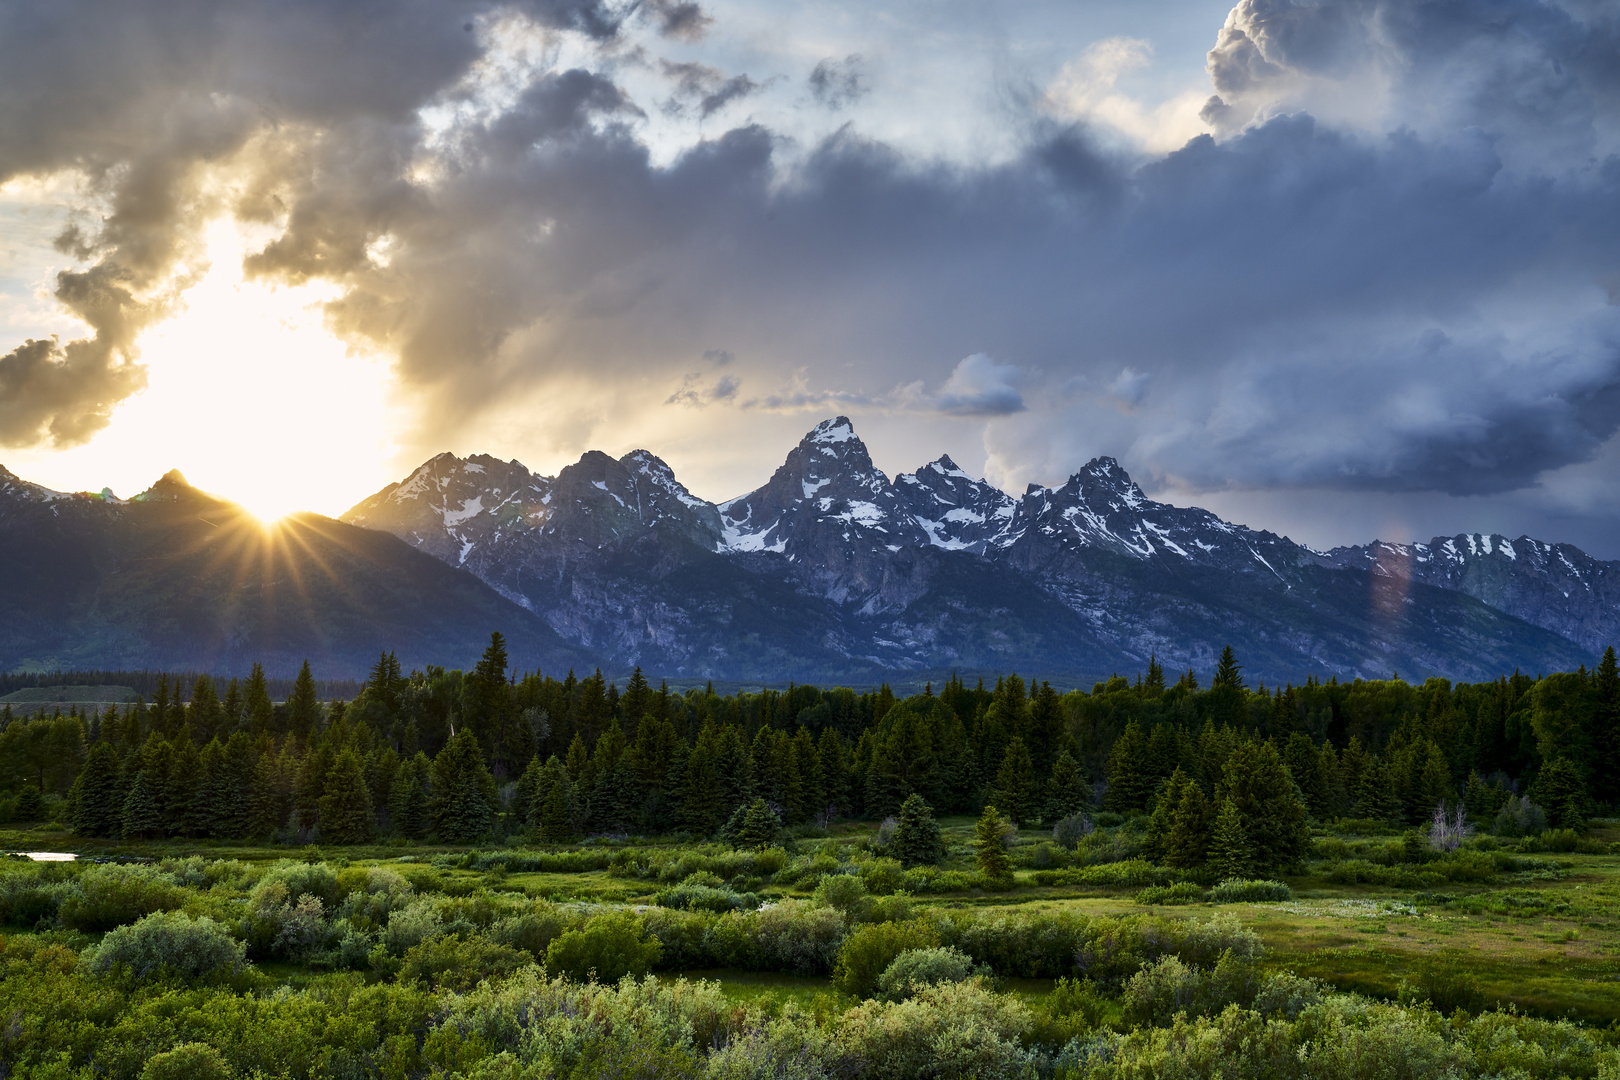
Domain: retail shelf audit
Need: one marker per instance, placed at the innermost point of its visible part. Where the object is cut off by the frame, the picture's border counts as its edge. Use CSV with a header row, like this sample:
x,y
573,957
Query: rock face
x,y
832,570
175,578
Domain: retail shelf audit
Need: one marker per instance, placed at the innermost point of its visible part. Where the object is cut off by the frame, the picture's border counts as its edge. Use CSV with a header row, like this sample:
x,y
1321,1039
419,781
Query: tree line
x,y
461,756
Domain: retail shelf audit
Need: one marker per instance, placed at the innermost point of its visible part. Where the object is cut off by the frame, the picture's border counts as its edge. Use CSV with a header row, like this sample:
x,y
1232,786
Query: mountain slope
x,y
830,569
175,578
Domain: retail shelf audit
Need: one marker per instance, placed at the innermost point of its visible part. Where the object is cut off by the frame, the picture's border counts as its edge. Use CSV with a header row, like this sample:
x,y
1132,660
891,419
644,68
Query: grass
x,y
1546,942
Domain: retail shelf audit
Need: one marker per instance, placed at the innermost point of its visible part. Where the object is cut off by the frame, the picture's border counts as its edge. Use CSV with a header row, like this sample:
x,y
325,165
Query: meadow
x,y
1375,955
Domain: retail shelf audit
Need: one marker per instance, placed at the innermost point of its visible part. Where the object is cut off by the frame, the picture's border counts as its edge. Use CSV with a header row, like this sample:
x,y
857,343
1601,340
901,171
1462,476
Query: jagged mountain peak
x,y
170,487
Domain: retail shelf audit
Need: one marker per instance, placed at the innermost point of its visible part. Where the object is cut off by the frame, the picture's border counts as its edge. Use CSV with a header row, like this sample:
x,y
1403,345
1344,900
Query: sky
x,y
1342,269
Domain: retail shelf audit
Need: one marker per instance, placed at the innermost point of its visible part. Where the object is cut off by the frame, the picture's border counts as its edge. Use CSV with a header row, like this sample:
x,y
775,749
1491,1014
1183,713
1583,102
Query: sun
x,y
250,396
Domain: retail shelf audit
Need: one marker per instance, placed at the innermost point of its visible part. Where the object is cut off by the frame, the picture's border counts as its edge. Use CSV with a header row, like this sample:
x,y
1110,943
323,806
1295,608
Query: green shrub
x,y
1069,831
169,943
188,1061
797,936
869,950
453,963
1560,840
111,896
915,969
1184,892
607,948
31,893
697,896
533,931
955,1030
300,878
1156,993
1446,982
847,893
1238,891
882,876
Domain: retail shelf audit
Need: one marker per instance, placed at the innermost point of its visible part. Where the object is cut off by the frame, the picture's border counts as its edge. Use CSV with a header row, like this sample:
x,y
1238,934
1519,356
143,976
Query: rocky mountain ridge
x,y
830,565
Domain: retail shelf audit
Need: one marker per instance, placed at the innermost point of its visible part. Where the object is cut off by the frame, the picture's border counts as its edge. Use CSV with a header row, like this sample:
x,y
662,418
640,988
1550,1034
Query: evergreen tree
x,y
268,803
917,839
1231,855
1192,830
1067,792
140,819
990,845
832,763
525,793
1606,730
304,706
409,799
755,825
1560,791
1304,764
1162,820
636,700
205,716
1127,780
98,793
1268,804
184,803
557,813
1046,734
258,711
345,806
1228,672
463,791
1016,787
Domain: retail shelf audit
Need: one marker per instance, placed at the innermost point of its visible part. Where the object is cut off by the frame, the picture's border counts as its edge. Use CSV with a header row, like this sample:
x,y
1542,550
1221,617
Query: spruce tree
x,y
98,795
1606,730
1016,788
753,826
1192,829
258,711
1067,792
1162,820
1127,780
463,791
185,801
1560,791
1304,764
304,706
1228,672
267,812
140,819
557,813
409,803
1231,855
917,840
990,845
345,806
1268,804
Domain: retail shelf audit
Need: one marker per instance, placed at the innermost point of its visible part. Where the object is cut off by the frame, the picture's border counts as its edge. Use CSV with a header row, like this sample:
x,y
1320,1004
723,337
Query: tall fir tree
x,y
917,840
1017,790
98,793
1231,854
1257,783
410,798
1192,830
345,806
304,705
990,845
463,791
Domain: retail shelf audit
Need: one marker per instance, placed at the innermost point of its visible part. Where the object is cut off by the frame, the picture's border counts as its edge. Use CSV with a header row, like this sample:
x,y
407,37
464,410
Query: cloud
x,y
1387,268
837,83
977,386
682,21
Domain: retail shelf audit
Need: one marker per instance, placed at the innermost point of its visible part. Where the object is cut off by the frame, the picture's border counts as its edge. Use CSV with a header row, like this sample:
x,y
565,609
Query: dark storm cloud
x,y
836,83
677,20
1412,302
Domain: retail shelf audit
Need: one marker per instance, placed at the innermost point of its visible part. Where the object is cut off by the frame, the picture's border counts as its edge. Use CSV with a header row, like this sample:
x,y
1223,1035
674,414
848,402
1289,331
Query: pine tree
x,y
304,706
1228,672
1230,853
1016,788
832,762
990,845
257,708
1192,829
1560,791
463,791
409,800
753,826
1067,792
1162,820
557,813
205,715
1304,764
267,803
345,806
917,839
140,819
1127,780
1268,804
98,795
1606,729
184,802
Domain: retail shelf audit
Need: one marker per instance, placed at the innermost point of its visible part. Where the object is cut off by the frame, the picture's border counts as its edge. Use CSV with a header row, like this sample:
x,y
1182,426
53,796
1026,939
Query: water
x,y
47,856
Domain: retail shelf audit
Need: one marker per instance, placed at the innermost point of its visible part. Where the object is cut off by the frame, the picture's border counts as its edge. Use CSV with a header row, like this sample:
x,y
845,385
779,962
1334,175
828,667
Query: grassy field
x,y
1544,939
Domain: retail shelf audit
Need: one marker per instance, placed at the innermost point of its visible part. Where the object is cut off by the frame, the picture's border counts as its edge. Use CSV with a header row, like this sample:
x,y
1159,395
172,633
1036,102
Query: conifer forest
x,y
497,873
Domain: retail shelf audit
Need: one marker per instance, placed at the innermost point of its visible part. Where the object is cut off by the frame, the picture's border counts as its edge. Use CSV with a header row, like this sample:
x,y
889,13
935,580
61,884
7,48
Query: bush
x,y
298,878
882,876
1184,892
1520,817
416,922
868,951
955,1030
1286,994
1155,994
169,943
797,936
695,895
188,1061
845,892
112,896
533,931
915,969
1561,840
1446,983
606,949
1238,891
1069,831
32,893
451,963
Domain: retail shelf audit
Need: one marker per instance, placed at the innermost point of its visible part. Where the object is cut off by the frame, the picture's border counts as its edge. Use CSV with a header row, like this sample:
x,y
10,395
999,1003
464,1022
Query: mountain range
x,y
831,570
